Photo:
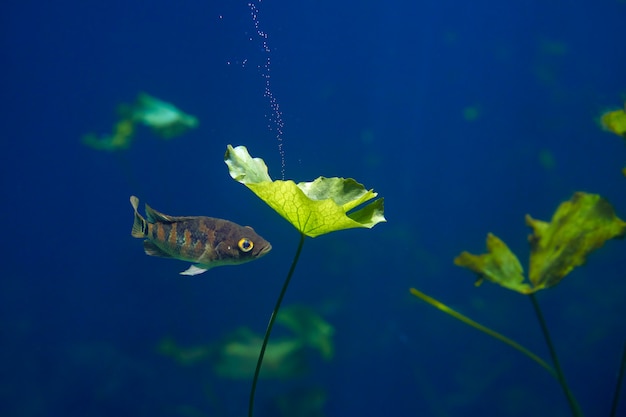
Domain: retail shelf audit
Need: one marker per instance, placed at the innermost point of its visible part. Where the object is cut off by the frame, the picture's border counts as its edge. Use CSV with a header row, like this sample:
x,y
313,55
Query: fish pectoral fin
x,y
194,270
153,250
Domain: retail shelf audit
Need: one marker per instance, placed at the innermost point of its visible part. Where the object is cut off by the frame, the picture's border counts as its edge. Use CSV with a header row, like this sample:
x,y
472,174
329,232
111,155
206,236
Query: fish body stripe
x,y
186,249
190,240
161,232
172,237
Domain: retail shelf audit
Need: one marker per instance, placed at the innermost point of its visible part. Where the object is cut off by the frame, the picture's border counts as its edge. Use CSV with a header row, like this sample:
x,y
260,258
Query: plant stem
x,y
441,306
576,410
618,385
268,331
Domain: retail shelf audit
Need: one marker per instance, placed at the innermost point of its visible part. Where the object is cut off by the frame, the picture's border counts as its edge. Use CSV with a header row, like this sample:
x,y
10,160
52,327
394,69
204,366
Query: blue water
x,y
368,90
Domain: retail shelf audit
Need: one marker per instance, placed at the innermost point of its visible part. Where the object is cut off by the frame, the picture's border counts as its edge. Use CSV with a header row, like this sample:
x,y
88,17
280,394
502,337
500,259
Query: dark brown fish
x,y
206,241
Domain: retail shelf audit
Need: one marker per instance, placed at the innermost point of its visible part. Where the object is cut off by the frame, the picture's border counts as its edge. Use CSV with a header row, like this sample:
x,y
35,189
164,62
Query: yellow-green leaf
x,y
615,121
578,227
314,208
499,265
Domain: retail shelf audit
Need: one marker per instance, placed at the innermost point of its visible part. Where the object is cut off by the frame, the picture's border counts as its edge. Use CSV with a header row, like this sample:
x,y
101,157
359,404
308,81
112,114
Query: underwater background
x,y
464,116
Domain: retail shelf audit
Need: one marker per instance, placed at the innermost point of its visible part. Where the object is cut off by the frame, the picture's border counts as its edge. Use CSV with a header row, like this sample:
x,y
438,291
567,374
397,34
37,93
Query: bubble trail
x,y
275,119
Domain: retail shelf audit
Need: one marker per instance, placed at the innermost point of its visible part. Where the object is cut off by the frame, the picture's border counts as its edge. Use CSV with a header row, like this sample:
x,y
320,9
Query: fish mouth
x,y
265,249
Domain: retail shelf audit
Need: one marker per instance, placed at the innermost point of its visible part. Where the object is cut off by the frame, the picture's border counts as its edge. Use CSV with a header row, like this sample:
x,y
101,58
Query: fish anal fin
x,y
194,270
153,250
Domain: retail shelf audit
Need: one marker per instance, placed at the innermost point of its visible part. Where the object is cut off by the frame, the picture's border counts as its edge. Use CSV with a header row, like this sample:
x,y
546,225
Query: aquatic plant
x,y
614,121
314,208
235,355
121,138
578,227
165,120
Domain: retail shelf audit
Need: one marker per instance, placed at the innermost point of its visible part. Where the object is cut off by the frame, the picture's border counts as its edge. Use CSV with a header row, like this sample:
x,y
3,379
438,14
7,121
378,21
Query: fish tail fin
x,y
140,226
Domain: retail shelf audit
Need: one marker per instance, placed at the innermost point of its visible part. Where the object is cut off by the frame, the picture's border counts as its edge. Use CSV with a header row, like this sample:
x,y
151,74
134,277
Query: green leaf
x,y
314,208
243,167
578,227
498,265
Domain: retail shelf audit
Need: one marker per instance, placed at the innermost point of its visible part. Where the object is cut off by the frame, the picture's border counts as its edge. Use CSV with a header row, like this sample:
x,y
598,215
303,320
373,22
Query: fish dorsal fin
x,y
156,216
153,250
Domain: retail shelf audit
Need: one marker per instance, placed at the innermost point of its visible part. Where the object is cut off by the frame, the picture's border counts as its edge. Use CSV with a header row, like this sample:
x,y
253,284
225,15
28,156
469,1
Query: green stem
x,y
618,385
576,410
268,331
441,306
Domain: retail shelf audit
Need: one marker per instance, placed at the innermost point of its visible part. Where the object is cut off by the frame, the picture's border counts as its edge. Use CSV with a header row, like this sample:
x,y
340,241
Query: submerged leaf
x,y
311,328
578,227
164,118
499,265
120,139
615,121
244,168
236,356
314,208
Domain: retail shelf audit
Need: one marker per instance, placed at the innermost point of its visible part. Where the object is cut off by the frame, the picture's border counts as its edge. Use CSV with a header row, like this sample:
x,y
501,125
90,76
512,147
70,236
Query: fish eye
x,y
245,244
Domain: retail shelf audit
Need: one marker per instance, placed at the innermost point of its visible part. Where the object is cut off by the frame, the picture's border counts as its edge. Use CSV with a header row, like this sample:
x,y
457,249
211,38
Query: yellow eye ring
x,y
245,244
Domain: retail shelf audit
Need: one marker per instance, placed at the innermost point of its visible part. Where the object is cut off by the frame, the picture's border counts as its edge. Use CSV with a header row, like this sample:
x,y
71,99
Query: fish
x,y
206,241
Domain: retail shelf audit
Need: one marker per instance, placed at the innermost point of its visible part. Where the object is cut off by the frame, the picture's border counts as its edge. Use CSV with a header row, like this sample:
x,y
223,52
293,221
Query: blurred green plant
x,y
235,355
578,227
314,208
165,119
614,121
